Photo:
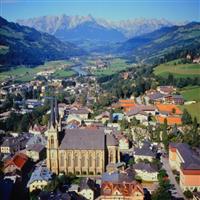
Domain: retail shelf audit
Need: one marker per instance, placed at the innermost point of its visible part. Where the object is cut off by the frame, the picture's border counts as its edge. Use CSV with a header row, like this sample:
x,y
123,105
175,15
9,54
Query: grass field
x,y
193,109
191,93
64,73
116,65
23,73
178,70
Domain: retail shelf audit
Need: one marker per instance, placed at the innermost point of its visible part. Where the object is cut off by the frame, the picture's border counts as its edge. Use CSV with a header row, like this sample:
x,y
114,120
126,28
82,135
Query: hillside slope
x,y
20,45
163,41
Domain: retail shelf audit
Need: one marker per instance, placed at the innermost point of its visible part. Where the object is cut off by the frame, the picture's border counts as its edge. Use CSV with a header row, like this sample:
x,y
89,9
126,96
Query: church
x,y
80,151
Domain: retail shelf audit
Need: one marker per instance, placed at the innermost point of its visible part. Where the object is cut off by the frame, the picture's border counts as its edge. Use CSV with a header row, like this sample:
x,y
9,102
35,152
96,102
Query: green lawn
x,y
178,70
193,109
191,93
116,65
23,73
64,73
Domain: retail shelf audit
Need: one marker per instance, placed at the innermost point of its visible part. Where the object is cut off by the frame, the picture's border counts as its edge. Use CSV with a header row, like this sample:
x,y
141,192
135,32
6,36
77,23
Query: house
x,y
103,117
123,142
17,162
117,116
10,145
166,89
37,129
168,109
37,139
39,178
144,153
115,167
174,99
146,171
141,113
74,119
125,104
154,97
171,120
36,152
82,113
120,185
88,189
187,162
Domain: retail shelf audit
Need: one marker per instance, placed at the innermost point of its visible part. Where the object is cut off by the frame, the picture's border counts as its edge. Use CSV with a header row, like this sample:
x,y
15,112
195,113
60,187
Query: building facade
x,y
187,162
79,151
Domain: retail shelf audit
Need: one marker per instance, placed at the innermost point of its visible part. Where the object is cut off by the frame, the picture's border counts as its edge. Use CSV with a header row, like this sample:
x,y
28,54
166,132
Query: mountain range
x,y
76,28
21,45
167,40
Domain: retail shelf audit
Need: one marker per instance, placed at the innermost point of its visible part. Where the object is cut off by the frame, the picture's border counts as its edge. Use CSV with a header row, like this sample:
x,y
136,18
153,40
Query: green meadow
x,y
178,70
24,73
115,66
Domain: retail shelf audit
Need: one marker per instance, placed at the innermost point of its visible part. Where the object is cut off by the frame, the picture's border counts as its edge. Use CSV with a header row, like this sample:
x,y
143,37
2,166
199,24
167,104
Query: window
x,y
69,160
90,161
52,142
111,157
62,159
83,161
76,160
98,160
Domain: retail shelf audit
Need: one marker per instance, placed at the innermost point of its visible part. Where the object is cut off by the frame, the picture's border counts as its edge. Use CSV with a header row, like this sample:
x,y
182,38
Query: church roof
x,y
88,139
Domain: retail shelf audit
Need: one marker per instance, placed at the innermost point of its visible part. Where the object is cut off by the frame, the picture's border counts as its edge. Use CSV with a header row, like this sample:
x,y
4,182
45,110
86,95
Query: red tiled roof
x,y
169,108
171,120
19,160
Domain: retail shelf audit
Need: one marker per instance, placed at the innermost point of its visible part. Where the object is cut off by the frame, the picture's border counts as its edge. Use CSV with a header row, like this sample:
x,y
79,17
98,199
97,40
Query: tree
x,y
188,194
186,117
25,122
131,162
124,124
165,138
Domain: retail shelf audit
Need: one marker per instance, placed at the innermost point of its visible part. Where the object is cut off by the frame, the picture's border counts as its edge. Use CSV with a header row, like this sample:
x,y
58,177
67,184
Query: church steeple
x,y
52,116
56,111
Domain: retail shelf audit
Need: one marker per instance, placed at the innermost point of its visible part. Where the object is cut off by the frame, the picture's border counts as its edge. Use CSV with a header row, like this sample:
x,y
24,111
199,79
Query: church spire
x,y
52,116
56,111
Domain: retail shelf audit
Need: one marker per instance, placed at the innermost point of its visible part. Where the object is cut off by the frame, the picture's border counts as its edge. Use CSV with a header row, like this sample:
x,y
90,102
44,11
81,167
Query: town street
x,y
166,166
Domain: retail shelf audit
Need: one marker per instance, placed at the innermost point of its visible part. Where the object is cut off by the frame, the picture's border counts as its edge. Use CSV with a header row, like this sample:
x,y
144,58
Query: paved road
x,y
172,178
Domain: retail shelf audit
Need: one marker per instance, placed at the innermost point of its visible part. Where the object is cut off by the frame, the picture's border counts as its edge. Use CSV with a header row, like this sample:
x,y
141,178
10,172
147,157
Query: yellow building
x,y
79,151
39,178
146,171
35,152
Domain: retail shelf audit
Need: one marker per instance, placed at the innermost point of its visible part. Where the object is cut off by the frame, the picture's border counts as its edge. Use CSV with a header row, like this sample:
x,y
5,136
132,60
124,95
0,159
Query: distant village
x,y
73,151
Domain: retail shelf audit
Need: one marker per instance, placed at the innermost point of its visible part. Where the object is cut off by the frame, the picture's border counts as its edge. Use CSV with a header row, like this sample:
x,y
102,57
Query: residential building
x,y
144,153
88,189
146,171
17,162
171,120
36,152
187,162
39,178
121,186
37,129
168,109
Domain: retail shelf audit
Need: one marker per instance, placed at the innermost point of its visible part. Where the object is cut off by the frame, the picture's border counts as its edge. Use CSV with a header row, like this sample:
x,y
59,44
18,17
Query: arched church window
x,y
52,141
111,157
69,160
98,160
76,161
83,161
90,161
62,159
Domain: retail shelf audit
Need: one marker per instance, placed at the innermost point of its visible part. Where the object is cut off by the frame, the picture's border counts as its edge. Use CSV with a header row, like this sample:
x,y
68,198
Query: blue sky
x,y
174,10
